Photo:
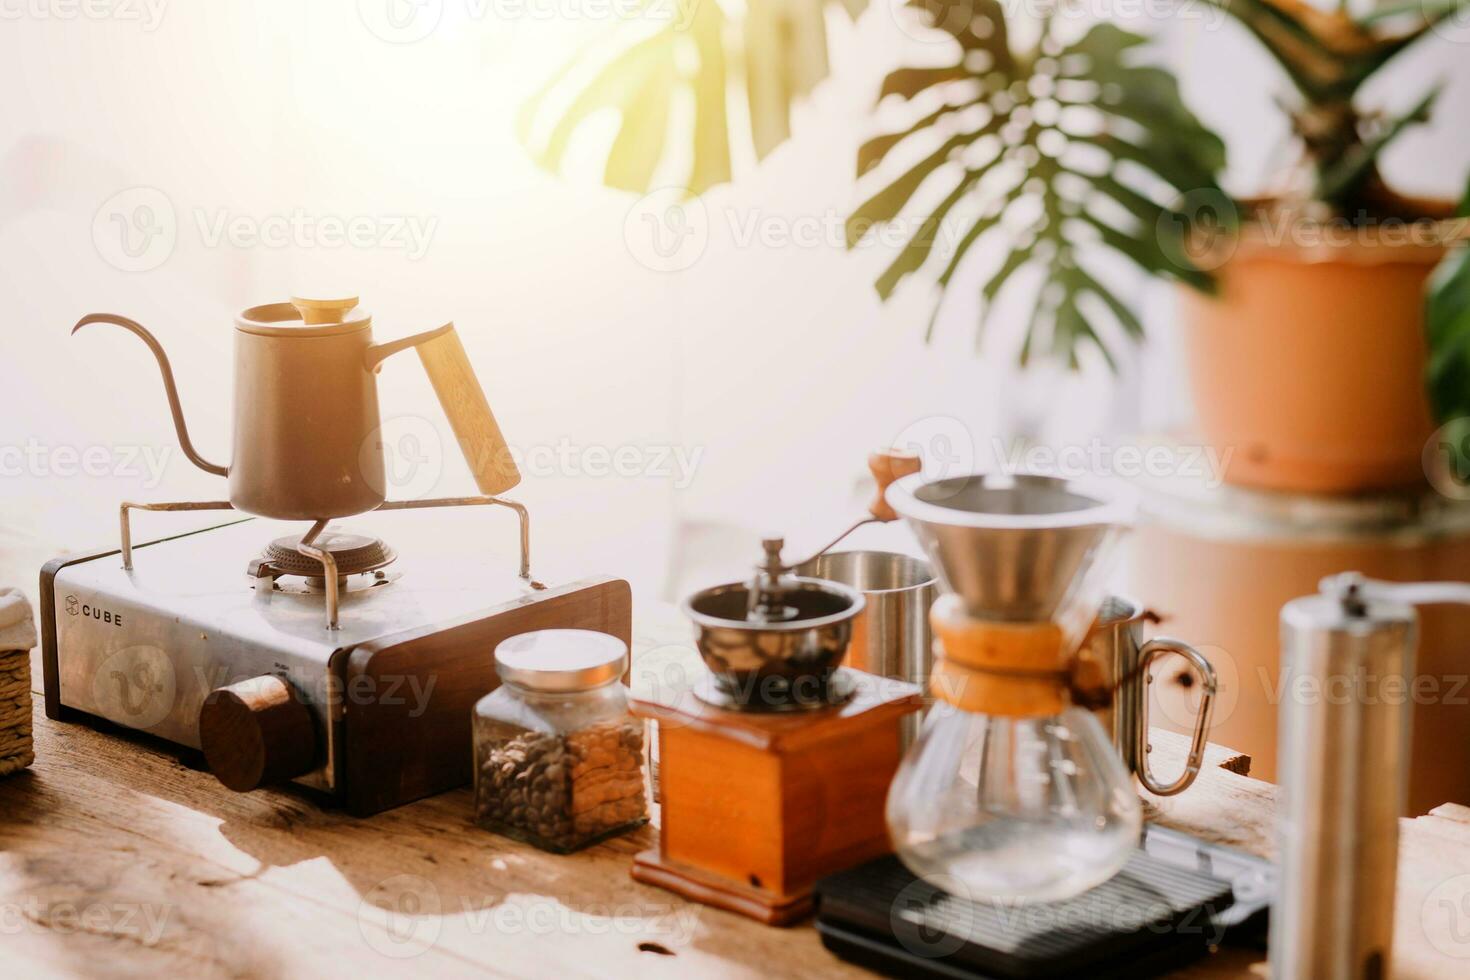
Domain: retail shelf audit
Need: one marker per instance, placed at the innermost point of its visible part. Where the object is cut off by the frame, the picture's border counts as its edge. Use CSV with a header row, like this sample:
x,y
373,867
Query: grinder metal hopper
x,y
1018,548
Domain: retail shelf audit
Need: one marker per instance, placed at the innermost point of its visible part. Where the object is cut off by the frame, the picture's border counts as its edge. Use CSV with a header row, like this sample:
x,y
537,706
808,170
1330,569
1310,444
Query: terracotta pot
x,y
1309,364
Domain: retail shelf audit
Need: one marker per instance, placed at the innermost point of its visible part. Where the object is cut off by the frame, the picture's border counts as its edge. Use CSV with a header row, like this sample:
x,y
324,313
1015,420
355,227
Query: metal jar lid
x,y
560,661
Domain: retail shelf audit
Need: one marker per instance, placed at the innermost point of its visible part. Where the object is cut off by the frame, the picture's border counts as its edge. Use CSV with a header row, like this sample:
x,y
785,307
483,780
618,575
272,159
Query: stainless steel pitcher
x,y
307,442
891,637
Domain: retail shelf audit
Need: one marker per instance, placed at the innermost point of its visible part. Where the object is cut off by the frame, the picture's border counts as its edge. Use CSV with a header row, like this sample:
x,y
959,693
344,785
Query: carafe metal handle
x,y
1158,647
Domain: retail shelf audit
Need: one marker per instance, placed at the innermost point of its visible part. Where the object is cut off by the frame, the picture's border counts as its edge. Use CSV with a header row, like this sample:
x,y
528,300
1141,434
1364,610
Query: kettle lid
x,y
303,317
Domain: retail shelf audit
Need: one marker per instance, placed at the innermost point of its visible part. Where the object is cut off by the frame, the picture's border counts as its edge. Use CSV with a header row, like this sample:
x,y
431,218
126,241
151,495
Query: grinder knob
x,y
257,732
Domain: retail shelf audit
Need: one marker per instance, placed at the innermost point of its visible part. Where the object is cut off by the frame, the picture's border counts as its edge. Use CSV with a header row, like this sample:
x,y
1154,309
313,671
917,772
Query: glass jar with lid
x,y
558,756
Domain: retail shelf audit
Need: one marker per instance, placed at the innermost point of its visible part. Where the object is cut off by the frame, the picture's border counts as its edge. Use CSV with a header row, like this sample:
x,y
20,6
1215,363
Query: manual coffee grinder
x,y
774,767
1014,789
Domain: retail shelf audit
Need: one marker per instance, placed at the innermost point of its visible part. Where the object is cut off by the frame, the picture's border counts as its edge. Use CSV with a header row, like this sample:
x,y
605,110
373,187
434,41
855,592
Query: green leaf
x,y
909,82
711,121
1312,66
871,153
620,83
918,247
991,289
1447,320
885,205
1447,328
640,142
781,45
1053,228
978,228
976,25
1083,283
1343,178
1071,330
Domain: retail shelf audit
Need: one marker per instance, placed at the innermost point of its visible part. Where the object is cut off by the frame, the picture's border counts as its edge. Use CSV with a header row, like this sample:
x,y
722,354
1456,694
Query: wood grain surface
x,y
116,860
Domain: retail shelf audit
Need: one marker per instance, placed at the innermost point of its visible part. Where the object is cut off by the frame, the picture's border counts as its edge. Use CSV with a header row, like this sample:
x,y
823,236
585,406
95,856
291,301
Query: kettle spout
x,y
168,384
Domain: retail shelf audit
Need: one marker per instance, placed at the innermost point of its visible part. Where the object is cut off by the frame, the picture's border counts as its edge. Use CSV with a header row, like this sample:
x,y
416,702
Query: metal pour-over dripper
x,y
1012,789
1017,548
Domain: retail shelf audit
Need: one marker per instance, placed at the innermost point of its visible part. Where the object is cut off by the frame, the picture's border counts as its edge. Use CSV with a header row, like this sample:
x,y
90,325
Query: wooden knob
x,y
888,465
257,732
323,310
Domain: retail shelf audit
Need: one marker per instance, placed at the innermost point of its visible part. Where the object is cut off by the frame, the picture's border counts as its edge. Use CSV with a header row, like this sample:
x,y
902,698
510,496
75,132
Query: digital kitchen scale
x,y
1176,898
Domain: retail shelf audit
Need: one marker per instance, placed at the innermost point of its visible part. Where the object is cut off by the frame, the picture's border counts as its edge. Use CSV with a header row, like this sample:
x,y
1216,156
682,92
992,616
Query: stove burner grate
x,y
354,554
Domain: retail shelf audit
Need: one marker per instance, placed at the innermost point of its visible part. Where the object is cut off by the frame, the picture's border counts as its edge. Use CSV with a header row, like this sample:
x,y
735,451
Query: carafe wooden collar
x,y
996,668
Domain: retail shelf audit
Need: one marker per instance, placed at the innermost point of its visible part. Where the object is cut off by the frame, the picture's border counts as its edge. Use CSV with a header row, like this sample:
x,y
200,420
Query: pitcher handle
x,y
464,402
1151,650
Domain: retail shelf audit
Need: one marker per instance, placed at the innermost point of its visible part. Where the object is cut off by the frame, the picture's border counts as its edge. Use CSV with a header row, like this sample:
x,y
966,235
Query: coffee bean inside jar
x,y
558,758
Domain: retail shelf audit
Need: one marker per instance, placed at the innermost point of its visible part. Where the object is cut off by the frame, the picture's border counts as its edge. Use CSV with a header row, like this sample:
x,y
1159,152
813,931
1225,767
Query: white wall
x,y
777,364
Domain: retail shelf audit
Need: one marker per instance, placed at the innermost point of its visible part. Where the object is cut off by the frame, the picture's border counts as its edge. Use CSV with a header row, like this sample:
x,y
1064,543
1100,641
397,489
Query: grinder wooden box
x,y
758,806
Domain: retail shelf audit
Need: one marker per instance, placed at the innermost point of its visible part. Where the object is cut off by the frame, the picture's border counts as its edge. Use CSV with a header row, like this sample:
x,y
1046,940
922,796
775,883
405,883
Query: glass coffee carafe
x,y
1011,791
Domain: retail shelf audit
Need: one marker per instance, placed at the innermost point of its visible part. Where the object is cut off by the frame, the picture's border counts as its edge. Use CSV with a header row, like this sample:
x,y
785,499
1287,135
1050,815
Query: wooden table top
x,y
117,860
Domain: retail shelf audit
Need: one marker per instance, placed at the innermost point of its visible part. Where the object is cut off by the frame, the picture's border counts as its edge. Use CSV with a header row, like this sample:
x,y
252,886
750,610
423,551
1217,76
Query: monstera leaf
x,y
670,75
1060,155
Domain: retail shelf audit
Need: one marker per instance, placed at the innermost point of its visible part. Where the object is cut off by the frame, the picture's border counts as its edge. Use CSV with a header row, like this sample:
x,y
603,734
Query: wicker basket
x,y
17,636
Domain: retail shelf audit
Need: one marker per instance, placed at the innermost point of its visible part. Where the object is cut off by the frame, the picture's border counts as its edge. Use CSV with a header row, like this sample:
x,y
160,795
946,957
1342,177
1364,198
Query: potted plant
x,y
1304,318
1310,360
1304,310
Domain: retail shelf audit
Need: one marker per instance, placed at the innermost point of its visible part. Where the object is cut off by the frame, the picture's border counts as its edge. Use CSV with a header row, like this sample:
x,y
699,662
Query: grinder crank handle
x,y
464,402
1353,589
888,465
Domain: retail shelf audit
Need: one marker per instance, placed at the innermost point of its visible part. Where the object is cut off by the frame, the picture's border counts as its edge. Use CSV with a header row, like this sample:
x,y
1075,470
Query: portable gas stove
x,y
234,641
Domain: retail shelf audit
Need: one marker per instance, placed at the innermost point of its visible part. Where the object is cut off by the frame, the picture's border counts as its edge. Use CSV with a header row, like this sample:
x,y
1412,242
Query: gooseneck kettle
x,y
307,434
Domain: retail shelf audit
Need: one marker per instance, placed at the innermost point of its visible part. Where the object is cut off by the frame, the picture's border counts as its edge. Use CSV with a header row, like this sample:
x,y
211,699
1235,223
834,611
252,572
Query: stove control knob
x,y
257,732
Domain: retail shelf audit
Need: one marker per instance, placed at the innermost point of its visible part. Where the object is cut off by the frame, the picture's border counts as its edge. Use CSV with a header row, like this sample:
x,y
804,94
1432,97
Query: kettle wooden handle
x,y
459,391
886,466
